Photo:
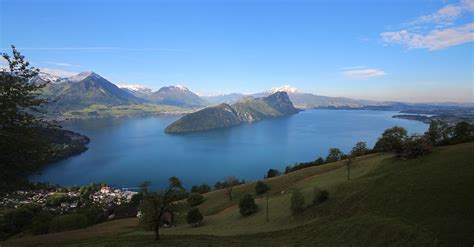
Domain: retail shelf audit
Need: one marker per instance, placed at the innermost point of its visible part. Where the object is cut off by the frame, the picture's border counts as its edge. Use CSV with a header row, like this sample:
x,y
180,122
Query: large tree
x,y
335,154
392,140
155,204
22,122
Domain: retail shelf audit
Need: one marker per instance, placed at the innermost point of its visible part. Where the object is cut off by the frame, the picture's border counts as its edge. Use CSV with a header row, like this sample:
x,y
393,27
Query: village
x,y
63,200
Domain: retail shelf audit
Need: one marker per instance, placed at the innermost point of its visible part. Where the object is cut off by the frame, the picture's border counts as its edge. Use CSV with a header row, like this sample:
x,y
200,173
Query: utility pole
x,y
267,207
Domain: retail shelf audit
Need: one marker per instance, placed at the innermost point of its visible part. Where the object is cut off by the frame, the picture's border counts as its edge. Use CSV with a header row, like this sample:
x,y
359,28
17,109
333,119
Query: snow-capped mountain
x,y
285,88
137,90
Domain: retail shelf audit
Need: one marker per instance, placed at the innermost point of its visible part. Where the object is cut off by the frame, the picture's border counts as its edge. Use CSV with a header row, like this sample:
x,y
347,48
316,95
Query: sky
x,y
406,50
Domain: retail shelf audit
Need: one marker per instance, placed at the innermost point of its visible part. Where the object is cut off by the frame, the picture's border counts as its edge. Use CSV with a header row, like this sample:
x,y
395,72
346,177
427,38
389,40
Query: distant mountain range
x,y
224,115
88,88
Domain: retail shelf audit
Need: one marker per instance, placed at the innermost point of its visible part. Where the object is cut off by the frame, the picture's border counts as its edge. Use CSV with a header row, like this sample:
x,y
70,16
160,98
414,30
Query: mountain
x,y
85,89
300,99
223,98
246,110
177,96
136,90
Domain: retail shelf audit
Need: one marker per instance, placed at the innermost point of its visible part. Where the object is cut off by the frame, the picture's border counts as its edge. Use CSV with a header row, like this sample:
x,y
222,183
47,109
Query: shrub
x,y
297,202
416,146
247,205
18,219
272,173
41,222
261,188
68,222
320,196
57,199
195,199
93,214
194,217
201,189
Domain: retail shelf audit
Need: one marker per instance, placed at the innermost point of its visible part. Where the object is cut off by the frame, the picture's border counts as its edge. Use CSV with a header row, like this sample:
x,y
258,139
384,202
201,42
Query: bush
x,y
16,220
272,173
297,202
261,188
41,222
247,205
416,146
57,199
194,217
68,222
201,189
320,196
93,214
195,199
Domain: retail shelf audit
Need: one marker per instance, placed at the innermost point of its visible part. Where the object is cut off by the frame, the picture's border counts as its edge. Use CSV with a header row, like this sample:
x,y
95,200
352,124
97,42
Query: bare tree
x,y
230,182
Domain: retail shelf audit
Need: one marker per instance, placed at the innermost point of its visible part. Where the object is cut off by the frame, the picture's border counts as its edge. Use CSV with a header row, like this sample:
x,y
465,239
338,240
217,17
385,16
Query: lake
x,y
127,151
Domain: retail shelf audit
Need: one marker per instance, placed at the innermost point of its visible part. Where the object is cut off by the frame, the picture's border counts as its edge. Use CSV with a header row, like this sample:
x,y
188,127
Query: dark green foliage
x,y
335,154
391,140
194,217
57,199
201,189
261,188
439,132
22,147
17,220
415,146
273,173
195,199
144,187
298,166
136,199
463,132
297,202
41,222
68,222
247,205
93,214
359,149
320,195
155,204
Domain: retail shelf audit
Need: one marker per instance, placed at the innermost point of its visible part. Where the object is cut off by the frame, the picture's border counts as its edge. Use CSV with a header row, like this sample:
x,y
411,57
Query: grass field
x,y
428,201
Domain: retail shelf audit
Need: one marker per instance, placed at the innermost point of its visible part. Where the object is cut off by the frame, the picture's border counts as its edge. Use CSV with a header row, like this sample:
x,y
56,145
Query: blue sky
x,y
383,50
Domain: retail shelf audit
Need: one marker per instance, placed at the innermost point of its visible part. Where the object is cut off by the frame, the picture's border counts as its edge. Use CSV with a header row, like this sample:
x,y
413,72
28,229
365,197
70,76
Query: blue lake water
x,y
124,152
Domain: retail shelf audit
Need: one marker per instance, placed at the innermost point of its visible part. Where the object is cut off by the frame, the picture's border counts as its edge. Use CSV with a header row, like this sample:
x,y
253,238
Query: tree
x,y
463,132
194,217
415,146
261,188
359,149
439,132
247,205
297,202
392,140
229,184
272,173
155,204
201,189
335,154
195,199
21,123
144,187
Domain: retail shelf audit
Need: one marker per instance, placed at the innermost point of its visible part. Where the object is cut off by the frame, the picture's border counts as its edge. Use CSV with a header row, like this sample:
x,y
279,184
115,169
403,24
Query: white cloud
x,y
434,40
447,14
57,72
363,73
436,31
61,64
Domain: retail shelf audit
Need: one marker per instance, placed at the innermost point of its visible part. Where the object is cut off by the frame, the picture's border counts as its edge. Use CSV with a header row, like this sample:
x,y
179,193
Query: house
x,y
105,190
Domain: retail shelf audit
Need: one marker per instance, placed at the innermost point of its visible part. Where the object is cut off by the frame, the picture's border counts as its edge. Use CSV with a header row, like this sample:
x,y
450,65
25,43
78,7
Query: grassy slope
x,y
426,201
